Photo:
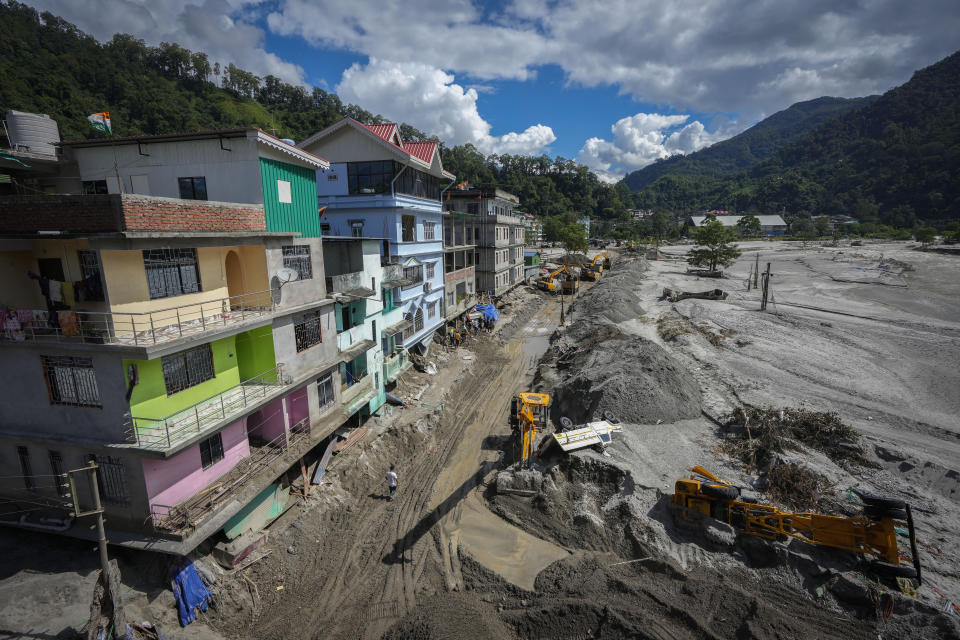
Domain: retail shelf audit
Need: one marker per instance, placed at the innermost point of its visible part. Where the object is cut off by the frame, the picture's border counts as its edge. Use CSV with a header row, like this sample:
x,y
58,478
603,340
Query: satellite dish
x,y
285,275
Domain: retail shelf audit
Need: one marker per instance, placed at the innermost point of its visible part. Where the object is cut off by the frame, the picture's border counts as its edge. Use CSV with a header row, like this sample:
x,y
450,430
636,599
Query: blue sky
x,y
614,84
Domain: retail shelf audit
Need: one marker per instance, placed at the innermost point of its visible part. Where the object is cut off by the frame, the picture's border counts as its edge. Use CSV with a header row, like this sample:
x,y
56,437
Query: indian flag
x,y
101,122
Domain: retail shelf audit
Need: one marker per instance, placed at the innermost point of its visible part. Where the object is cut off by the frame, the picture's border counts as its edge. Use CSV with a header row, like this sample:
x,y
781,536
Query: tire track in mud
x,y
360,579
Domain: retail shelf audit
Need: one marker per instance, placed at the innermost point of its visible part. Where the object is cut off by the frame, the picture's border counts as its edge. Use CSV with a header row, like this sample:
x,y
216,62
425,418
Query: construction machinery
x,y
529,417
551,282
703,496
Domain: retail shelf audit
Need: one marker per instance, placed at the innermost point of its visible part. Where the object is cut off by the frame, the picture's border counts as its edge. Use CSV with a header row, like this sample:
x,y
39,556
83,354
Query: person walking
x,y
392,481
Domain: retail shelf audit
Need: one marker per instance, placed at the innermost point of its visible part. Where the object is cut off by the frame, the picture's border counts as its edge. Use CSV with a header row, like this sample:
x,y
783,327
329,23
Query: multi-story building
x,y
459,262
166,314
381,186
533,229
499,235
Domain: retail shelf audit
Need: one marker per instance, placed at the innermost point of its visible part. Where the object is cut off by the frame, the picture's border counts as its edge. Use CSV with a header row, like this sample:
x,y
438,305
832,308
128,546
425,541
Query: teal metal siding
x,y
301,213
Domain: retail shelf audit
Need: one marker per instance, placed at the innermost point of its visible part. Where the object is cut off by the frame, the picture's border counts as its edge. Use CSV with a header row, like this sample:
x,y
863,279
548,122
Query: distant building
x,y
640,214
585,221
769,225
499,236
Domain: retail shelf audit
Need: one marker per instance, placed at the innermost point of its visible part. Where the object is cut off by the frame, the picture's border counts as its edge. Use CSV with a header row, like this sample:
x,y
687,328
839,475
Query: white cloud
x,y
433,102
746,56
642,139
216,27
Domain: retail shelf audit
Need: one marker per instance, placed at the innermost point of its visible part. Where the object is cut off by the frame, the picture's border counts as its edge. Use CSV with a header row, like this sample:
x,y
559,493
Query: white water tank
x,y
34,132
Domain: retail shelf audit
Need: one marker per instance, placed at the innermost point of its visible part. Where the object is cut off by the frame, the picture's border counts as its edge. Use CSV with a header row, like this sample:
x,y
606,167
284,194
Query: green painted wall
x,y
255,352
268,505
301,213
150,399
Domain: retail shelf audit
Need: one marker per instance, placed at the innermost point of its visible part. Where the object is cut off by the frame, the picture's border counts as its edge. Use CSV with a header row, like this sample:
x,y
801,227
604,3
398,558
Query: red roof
x,y
385,130
421,150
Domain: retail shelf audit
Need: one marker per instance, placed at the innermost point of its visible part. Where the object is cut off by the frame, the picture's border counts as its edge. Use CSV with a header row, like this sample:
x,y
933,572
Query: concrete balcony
x,y
393,276
350,285
137,329
207,416
395,365
356,395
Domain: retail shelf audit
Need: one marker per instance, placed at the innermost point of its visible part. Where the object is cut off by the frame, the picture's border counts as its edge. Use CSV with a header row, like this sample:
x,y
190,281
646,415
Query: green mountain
x,y
895,161
746,149
49,66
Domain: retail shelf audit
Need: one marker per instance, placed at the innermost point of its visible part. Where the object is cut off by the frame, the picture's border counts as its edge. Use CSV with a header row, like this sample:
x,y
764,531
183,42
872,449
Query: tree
x,y
925,235
748,226
574,237
713,247
822,225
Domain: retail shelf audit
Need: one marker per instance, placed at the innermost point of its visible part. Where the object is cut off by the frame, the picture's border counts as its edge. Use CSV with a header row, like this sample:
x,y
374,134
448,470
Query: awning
x,y
399,282
359,292
356,350
394,329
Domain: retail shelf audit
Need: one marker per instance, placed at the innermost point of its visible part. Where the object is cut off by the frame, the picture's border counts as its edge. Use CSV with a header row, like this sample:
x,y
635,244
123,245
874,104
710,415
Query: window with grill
x,y
194,188
409,224
71,381
297,257
431,310
356,228
429,231
418,321
56,467
211,451
431,266
111,479
92,274
24,454
325,390
414,273
187,368
307,332
171,272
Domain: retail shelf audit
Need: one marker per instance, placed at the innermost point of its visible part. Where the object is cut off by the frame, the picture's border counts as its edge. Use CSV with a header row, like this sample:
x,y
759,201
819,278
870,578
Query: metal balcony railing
x,y
164,433
138,329
191,512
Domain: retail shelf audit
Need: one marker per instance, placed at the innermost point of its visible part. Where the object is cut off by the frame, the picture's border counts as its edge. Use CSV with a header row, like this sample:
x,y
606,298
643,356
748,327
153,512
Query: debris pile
x,y
671,326
797,486
756,436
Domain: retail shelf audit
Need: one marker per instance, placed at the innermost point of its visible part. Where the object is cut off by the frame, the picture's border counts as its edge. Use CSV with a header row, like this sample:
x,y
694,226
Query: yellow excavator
x,y
594,269
704,495
529,417
549,282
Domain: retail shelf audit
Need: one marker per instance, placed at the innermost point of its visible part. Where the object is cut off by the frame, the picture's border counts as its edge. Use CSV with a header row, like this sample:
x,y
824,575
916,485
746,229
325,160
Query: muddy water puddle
x,y
470,526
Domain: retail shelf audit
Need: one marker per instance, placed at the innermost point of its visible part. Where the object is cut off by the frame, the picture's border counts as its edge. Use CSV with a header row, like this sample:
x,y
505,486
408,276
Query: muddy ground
x,y
589,548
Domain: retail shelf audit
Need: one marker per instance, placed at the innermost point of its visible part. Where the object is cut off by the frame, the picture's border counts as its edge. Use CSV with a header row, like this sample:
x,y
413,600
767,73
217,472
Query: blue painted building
x,y
379,186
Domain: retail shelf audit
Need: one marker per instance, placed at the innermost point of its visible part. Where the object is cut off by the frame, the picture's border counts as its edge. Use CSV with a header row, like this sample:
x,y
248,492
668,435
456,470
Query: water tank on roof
x,y
289,142
34,132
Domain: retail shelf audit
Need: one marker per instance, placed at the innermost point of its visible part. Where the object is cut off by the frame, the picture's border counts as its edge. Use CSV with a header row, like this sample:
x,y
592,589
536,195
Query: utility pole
x,y
91,471
561,307
756,271
766,288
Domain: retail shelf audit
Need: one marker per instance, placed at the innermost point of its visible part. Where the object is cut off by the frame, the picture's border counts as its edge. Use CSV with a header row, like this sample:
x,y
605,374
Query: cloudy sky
x,y
615,84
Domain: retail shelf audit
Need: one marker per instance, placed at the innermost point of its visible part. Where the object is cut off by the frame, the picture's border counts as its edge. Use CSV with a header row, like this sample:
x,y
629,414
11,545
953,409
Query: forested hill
x,y
746,149
49,66
894,161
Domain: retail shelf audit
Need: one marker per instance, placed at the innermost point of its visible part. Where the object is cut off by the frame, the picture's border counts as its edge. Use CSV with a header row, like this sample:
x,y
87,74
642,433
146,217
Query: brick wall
x,y
124,212
147,213
29,214
460,274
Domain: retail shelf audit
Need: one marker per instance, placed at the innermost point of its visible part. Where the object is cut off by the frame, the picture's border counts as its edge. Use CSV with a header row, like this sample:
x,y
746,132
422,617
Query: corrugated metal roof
x,y
422,150
385,130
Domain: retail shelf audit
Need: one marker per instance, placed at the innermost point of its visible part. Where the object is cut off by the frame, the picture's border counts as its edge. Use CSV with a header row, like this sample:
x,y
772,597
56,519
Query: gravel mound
x,y
631,376
614,299
574,258
451,616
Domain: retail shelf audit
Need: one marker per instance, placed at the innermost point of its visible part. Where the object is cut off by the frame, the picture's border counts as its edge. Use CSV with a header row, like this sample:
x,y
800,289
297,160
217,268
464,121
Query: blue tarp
x,y
489,311
190,593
